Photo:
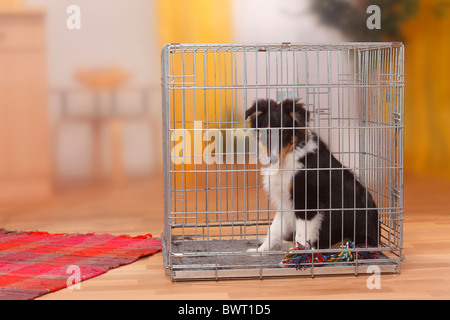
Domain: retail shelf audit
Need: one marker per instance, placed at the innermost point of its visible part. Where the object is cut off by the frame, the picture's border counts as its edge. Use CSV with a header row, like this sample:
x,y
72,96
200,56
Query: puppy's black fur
x,y
323,185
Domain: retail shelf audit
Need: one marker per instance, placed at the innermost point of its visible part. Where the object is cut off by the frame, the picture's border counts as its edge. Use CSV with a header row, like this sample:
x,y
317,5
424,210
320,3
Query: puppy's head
x,y
279,126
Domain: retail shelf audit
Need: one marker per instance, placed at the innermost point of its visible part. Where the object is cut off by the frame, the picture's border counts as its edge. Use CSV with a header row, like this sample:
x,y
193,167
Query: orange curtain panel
x,y
427,99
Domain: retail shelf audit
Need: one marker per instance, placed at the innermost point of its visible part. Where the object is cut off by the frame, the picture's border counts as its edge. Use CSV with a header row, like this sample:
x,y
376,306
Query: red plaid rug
x,y
35,263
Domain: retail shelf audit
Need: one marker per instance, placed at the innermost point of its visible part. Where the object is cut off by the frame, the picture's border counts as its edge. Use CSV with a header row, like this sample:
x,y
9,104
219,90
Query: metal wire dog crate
x,y
215,205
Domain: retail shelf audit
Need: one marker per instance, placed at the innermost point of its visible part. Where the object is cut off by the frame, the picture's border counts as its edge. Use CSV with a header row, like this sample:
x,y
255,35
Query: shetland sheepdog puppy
x,y
317,199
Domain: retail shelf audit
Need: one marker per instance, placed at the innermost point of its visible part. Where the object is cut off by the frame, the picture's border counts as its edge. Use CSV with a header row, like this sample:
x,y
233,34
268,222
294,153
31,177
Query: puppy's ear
x,y
258,107
251,111
296,110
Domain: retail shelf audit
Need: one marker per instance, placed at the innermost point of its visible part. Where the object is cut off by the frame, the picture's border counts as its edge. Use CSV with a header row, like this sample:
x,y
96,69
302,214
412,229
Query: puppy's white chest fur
x,y
277,179
277,182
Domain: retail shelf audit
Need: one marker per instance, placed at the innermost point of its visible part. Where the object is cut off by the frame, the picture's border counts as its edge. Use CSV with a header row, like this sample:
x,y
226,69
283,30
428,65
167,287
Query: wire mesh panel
x,y
228,197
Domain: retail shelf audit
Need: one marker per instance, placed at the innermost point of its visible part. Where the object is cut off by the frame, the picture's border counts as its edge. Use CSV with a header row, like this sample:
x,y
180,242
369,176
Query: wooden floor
x,y
137,209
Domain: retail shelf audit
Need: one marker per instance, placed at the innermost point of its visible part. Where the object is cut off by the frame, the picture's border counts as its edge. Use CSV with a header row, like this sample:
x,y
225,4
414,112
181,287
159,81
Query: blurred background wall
x,y
101,115
116,41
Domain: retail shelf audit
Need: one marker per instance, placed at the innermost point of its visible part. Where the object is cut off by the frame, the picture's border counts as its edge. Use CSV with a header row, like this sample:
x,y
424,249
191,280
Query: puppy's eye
x,y
286,134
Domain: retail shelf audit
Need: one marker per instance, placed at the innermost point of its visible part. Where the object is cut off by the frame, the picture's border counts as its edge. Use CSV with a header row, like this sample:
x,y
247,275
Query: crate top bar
x,y
287,46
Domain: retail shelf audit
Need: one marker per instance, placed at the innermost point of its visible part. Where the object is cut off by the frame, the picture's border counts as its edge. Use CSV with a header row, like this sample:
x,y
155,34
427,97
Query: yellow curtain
x,y
427,92
196,21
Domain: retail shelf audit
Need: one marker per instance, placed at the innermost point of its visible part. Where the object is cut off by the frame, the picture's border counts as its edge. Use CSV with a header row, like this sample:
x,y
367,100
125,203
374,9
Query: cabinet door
x,y
24,124
25,169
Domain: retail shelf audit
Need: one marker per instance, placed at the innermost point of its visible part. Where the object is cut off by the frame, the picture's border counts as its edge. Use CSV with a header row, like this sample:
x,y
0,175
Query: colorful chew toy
x,y
303,260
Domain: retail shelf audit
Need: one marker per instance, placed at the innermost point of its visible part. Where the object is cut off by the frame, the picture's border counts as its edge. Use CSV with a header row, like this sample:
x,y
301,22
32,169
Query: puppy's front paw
x,y
258,250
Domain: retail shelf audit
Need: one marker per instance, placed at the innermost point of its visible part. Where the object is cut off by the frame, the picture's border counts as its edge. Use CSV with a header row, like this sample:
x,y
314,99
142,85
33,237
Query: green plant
x,y
349,16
